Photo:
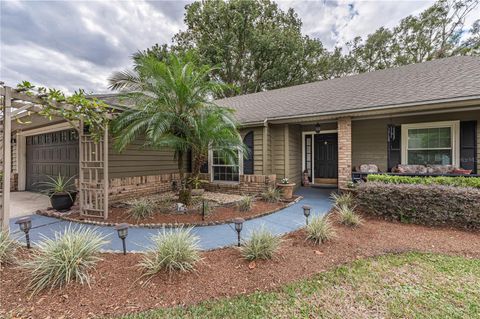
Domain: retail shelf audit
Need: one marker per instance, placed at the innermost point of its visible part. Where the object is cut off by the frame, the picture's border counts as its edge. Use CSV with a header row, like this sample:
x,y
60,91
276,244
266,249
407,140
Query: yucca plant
x,y
245,204
68,257
342,199
173,250
261,245
141,208
272,195
7,247
348,216
57,185
320,229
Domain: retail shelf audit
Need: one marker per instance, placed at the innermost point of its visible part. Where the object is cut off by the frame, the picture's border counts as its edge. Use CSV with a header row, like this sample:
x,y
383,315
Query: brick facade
x,y
13,182
344,151
129,187
248,185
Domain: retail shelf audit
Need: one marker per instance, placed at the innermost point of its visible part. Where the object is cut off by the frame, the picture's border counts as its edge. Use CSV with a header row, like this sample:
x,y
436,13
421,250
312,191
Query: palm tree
x,y
172,107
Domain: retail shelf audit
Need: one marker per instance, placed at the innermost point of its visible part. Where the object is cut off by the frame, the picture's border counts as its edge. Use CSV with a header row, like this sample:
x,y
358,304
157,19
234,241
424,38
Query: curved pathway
x,y
211,237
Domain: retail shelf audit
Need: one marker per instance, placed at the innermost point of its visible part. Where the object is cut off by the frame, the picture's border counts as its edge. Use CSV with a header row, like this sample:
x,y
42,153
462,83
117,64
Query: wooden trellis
x,y
93,179
93,164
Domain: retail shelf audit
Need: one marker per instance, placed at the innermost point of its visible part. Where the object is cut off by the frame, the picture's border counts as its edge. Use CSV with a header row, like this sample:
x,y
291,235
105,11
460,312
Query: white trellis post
x,y
7,156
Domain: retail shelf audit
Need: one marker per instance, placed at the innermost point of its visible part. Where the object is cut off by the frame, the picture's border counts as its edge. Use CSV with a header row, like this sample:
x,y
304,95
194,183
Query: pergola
x,y
93,153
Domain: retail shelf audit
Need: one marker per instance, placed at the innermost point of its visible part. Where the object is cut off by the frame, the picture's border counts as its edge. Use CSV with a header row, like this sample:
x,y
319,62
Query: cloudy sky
x,y
77,44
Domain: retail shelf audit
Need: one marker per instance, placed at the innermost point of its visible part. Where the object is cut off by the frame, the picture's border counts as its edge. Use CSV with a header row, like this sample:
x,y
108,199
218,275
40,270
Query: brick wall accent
x,y
248,184
344,125
13,182
128,187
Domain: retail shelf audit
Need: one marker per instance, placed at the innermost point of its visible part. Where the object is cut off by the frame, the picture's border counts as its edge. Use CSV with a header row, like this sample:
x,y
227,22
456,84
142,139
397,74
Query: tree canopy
x,y
256,46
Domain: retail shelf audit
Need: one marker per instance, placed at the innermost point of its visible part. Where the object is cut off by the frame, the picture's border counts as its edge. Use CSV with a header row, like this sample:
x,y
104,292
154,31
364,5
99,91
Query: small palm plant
x,y
57,185
272,195
141,208
7,247
342,199
348,216
245,204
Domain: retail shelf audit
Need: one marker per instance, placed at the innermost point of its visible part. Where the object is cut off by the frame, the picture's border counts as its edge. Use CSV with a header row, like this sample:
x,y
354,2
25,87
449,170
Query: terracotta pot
x,y
287,190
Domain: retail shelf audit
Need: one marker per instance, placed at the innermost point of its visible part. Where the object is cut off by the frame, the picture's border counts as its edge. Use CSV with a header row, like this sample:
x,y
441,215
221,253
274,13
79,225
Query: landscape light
x,y
306,211
122,230
25,224
238,227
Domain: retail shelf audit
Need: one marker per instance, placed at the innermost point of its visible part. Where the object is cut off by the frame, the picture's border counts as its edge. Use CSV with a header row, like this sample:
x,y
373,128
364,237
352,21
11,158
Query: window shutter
x,y
248,160
394,146
468,145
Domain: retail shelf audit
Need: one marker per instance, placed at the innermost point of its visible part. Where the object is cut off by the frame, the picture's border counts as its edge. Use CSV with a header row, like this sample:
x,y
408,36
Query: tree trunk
x,y
184,194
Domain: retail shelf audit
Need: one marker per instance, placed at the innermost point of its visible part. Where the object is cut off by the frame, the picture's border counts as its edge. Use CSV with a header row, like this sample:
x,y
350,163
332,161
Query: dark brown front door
x,y
51,154
326,156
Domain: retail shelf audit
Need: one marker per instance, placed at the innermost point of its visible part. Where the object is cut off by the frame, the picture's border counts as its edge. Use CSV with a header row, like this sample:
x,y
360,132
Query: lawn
x,y
408,285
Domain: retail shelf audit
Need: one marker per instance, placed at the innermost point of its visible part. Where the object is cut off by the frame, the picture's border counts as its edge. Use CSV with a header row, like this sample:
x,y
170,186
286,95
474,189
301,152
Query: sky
x,y
78,44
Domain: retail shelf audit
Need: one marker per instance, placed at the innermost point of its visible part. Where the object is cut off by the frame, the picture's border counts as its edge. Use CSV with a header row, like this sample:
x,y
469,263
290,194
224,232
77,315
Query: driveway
x,y
26,203
211,237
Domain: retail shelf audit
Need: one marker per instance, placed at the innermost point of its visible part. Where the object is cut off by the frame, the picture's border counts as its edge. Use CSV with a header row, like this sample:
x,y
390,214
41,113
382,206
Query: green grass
x,y
410,285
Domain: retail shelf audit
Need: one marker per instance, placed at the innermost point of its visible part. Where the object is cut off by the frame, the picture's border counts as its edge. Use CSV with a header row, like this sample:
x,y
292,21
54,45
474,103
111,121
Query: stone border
x,y
64,216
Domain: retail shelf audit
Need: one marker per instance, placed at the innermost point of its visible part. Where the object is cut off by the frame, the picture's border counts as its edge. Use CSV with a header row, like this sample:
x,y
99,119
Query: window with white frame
x,y
433,143
225,168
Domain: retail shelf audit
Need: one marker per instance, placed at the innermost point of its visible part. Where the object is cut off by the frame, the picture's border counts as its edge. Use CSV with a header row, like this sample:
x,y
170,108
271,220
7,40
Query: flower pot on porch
x,y
287,190
63,201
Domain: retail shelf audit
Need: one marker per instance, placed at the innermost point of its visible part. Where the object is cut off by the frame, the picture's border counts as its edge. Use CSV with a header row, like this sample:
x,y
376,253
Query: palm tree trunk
x,y
185,195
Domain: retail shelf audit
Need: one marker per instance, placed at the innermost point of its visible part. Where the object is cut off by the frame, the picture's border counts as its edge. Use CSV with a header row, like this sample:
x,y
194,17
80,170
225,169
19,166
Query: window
x,y
430,143
223,169
248,161
308,155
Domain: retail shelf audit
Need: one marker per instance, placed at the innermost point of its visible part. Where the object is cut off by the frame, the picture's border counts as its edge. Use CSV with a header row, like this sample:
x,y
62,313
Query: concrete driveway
x,y
26,203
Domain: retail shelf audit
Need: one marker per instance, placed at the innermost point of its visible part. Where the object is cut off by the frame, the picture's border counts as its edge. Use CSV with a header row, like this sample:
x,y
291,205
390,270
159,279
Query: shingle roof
x,y
433,81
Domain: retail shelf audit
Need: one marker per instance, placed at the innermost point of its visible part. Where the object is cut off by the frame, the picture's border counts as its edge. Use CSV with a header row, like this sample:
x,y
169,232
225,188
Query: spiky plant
x,y
272,195
68,257
142,208
320,229
173,250
348,216
7,247
342,199
245,204
262,244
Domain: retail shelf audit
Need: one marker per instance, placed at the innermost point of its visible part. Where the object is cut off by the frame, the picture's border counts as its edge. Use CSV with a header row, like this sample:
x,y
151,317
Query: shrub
x,y
347,215
422,204
459,181
174,250
141,208
245,204
271,195
342,199
7,247
261,245
68,257
320,229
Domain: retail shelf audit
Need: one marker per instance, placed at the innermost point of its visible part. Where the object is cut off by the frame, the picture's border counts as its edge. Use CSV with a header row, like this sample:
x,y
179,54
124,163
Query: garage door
x,y
51,154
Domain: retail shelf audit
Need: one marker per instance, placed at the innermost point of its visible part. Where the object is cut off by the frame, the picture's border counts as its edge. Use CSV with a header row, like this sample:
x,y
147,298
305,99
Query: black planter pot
x,y
63,201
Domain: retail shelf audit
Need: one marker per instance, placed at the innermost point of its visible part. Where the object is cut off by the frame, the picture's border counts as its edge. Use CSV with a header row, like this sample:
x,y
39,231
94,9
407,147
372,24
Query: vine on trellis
x,y
74,108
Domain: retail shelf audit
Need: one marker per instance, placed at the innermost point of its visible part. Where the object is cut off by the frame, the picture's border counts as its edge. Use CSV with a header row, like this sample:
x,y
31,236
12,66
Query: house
x,y
427,113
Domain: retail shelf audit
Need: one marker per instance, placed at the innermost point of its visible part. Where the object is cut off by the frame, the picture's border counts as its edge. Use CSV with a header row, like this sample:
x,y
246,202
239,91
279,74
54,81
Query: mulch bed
x,y
116,288
219,215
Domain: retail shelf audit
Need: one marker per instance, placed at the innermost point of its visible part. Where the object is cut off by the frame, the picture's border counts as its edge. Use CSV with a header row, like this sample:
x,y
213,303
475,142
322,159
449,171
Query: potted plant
x,y
196,183
286,187
61,191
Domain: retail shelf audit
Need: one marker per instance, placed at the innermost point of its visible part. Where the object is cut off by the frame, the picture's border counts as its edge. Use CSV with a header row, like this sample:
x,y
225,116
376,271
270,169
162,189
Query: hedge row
x,y
422,204
430,180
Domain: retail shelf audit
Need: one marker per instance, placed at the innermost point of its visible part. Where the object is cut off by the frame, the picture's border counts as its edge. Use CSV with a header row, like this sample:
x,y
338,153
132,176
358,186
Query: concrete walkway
x,y
211,237
26,203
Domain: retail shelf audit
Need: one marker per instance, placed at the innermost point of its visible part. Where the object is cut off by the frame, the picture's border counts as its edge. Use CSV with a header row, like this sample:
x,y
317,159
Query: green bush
x,y
320,229
68,257
348,216
142,208
174,250
342,199
7,247
245,204
261,245
421,204
272,195
458,181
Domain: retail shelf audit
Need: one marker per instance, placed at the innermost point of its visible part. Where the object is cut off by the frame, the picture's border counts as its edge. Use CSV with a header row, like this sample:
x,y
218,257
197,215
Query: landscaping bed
x,y
222,209
117,288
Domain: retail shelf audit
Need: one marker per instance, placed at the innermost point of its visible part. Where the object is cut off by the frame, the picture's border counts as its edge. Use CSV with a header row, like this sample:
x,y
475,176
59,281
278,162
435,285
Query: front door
x,y
326,157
